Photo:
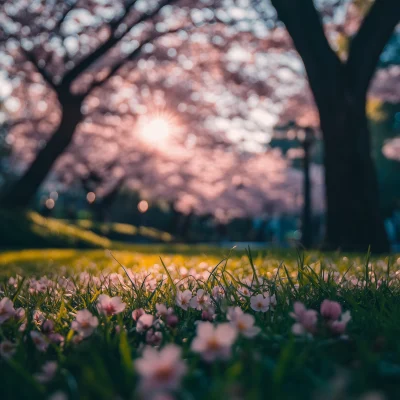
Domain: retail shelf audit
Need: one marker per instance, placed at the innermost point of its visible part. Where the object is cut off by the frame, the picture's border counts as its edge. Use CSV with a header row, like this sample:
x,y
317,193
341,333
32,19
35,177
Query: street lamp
x,y
305,136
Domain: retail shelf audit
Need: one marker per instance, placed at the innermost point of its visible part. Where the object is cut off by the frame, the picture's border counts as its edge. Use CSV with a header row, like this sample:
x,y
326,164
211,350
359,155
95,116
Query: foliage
x,y
124,232
274,363
30,229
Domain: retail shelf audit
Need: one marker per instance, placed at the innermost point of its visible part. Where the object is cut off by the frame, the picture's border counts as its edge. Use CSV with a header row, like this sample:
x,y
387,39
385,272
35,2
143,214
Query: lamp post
x,y
305,136
306,139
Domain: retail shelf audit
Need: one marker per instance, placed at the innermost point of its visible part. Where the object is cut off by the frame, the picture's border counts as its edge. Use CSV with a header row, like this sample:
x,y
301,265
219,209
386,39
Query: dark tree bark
x,y
340,88
21,194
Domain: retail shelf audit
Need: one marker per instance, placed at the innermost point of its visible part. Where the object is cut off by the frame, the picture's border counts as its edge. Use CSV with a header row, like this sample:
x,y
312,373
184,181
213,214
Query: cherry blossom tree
x,y
75,47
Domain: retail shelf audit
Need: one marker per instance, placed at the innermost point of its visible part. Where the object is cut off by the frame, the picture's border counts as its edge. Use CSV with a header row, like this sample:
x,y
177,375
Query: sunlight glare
x,y
155,130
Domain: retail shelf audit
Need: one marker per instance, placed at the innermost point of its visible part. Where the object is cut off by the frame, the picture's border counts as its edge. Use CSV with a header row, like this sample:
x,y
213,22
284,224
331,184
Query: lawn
x,y
198,323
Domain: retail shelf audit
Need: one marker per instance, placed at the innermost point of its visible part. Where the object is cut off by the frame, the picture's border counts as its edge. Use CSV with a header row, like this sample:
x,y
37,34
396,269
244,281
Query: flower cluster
x,y
164,331
307,319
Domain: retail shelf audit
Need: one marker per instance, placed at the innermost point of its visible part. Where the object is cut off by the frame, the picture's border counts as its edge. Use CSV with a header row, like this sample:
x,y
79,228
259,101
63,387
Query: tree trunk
x,y
353,216
22,192
340,88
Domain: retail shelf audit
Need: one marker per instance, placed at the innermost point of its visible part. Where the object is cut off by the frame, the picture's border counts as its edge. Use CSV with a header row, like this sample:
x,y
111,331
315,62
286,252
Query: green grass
x,y
275,364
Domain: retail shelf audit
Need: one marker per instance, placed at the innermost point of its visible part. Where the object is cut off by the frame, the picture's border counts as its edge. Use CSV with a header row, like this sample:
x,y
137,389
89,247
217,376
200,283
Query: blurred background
x,y
224,121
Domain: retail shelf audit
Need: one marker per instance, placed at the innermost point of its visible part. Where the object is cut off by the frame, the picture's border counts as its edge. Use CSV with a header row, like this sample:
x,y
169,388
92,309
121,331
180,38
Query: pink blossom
x,y
48,326
331,310
55,337
259,303
172,320
214,342
218,293
39,340
7,349
38,317
110,305
272,299
161,370
6,309
338,327
153,338
19,314
244,291
47,373
306,319
85,323
136,314
183,299
201,300
20,317
243,323
163,311
144,322
208,314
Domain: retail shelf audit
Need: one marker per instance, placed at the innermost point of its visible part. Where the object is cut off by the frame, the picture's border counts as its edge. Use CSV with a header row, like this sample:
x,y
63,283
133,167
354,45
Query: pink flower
x,y
259,303
161,370
272,299
243,323
6,309
48,372
331,310
172,321
110,305
85,323
201,301
48,326
144,322
306,319
183,299
19,314
20,317
218,293
39,340
136,314
55,338
153,338
339,327
214,342
208,314
163,311
244,291
7,349
38,317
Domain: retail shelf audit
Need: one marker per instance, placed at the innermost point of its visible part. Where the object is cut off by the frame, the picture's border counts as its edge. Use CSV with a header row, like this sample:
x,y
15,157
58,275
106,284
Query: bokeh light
x,y
143,206
50,203
91,197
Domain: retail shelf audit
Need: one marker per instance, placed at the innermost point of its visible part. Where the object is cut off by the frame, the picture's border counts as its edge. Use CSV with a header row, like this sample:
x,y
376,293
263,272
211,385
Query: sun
x,y
157,129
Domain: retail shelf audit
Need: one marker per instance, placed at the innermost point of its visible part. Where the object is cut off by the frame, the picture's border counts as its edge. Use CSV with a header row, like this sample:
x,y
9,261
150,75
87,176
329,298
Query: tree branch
x,y
42,71
369,42
130,57
110,42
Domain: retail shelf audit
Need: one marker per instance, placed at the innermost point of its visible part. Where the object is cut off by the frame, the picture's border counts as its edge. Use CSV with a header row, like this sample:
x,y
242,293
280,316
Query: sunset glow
x,y
156,130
